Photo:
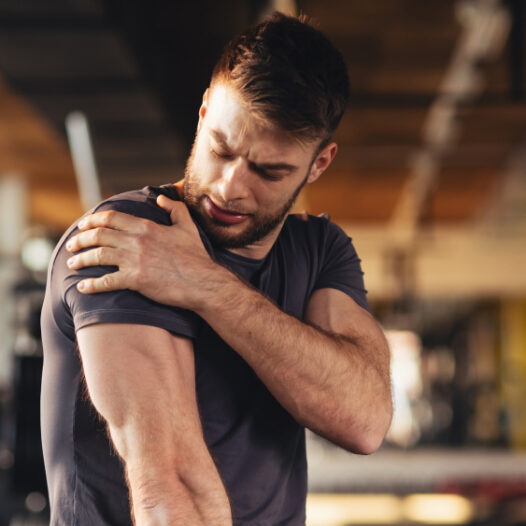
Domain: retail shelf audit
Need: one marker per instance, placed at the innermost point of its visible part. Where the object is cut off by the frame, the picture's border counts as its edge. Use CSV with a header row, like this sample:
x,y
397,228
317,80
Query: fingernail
x,y
82,223
81,285
69,245
71,261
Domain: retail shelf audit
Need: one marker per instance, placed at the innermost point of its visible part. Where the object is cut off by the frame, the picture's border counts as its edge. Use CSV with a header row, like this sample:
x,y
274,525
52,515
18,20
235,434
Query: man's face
x,y
241,177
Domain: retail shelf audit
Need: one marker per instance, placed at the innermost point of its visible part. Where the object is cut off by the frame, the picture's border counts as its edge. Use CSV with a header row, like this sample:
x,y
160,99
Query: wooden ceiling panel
x,y
344,16
31,149
62,54
384,126
55,8
471,156
368,196
495,123
459,195
397,54
121,106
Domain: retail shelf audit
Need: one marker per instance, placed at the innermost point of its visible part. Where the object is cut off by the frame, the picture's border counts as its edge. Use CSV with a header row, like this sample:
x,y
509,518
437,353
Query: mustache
x,y
225,205
194,196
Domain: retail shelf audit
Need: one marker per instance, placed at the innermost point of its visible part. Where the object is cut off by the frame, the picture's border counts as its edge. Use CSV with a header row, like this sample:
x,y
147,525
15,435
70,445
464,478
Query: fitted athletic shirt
x,y
258,447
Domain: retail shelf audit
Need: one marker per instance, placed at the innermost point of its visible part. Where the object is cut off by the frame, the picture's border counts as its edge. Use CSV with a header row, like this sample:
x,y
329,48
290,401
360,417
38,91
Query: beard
x,y
259,225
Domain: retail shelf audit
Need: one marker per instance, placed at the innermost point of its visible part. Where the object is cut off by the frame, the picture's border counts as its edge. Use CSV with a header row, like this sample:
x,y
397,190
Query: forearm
x,y
185,491
171,476
335,385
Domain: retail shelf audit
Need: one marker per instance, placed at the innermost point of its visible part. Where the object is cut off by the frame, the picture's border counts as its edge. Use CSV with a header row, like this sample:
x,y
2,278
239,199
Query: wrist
x,y
161,502
216,292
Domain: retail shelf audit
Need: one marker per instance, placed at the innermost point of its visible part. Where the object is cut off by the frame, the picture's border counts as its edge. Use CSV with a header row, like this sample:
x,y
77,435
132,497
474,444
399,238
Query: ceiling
x,y
432,136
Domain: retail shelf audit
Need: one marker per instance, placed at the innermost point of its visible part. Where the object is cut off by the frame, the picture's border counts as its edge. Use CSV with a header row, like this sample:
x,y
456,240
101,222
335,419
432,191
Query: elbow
x,y
367,445
370,438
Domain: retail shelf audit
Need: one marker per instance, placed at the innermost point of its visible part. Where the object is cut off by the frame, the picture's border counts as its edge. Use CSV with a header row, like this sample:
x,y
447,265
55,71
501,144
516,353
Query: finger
x,y
176,209
115,220
106,283
94,257
98,236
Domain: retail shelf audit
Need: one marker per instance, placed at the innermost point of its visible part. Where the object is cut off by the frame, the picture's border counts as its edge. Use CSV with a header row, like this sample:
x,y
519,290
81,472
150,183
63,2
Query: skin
x,y
151,410
240,148
331,370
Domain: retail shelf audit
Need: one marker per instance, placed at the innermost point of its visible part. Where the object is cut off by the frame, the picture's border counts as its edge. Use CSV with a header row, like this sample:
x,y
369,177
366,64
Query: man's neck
x,y
262,247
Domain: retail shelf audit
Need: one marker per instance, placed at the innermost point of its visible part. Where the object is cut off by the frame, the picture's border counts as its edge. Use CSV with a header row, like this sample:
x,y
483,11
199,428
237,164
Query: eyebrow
x,y
221,139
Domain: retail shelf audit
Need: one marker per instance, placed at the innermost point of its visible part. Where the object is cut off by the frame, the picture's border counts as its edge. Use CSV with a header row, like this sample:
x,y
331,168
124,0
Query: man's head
x,y
275,98
289,75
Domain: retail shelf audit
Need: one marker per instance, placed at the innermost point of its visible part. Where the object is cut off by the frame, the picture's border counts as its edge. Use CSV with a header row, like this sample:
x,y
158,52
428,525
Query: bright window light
x,y
326,509
36,253
438,509
341,510
407,386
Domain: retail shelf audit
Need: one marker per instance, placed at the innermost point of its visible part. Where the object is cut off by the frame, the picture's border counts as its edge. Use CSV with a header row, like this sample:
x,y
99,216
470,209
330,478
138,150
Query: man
x,y
212,327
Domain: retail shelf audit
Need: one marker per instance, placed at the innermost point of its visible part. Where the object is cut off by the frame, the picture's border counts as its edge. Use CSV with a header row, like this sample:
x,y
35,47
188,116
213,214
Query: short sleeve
x,y
341,268
123,306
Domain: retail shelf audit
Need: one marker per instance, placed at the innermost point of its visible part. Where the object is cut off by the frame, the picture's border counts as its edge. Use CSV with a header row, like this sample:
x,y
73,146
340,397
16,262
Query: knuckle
x,y
107,281
99,254
148,227
97,235
138,242
109,216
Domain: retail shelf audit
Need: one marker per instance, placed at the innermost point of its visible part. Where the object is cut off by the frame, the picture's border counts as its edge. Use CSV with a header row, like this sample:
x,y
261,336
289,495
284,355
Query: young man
x,y
228,326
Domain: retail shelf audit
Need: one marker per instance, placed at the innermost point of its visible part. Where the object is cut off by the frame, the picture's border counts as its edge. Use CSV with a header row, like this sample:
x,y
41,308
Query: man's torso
x,y
258,447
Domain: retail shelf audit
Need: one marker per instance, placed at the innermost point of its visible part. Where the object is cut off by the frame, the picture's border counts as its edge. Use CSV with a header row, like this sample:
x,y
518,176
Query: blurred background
x,y
101,96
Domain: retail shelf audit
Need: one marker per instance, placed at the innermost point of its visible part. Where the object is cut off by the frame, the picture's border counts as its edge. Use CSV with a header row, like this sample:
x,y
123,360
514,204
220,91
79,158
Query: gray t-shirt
x,y
259,449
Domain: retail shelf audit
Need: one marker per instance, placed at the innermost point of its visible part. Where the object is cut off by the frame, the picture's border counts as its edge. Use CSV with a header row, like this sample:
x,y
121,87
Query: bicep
x,y
141,380
334,311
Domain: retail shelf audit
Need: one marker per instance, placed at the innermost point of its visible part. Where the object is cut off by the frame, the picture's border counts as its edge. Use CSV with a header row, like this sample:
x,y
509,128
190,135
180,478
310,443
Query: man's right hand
x,y
151,257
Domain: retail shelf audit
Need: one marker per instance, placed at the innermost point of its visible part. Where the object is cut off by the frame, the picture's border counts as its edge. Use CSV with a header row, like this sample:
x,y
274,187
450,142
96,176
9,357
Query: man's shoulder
x,y
140,203
312,230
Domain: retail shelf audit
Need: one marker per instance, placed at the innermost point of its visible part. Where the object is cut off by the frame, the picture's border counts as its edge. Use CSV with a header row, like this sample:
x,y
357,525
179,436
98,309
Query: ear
x,y
203,108
322,161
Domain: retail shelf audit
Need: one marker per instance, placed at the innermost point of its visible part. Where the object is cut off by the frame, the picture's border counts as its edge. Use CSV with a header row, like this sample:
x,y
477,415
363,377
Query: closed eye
x,y
221,154
264,174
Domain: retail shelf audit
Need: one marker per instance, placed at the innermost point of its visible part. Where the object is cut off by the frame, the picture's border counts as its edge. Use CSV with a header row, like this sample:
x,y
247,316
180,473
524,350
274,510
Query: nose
x,y
233,183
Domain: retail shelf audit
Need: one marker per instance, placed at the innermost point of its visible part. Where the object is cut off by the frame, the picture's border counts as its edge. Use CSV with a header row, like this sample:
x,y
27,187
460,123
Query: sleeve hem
x,y
358,298
138,317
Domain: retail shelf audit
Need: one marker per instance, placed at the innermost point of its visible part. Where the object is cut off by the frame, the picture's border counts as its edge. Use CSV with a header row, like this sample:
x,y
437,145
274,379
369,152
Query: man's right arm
x,y
141,380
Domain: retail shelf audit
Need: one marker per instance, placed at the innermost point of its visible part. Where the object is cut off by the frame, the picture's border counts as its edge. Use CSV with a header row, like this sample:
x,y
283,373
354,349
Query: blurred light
x,y
36,253
35,502
407,386
326,509
83,159
438,509
7,458
340,510
13,213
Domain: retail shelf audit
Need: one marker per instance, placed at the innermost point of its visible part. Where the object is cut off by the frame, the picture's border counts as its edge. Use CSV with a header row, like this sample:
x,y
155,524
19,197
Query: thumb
x,y
170,206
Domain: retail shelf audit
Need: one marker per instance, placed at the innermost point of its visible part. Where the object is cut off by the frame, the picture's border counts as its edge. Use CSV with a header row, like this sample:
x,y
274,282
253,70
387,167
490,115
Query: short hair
x,y
289,74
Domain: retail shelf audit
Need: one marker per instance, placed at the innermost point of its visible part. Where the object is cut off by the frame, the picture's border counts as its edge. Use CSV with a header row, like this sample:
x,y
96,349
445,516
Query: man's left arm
x,y
331,372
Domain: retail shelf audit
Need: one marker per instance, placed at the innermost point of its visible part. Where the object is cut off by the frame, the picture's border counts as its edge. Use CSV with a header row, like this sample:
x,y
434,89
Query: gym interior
x,y
100,96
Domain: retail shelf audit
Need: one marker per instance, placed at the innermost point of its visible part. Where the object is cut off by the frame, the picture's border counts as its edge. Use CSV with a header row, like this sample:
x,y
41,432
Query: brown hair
x,y
289,74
